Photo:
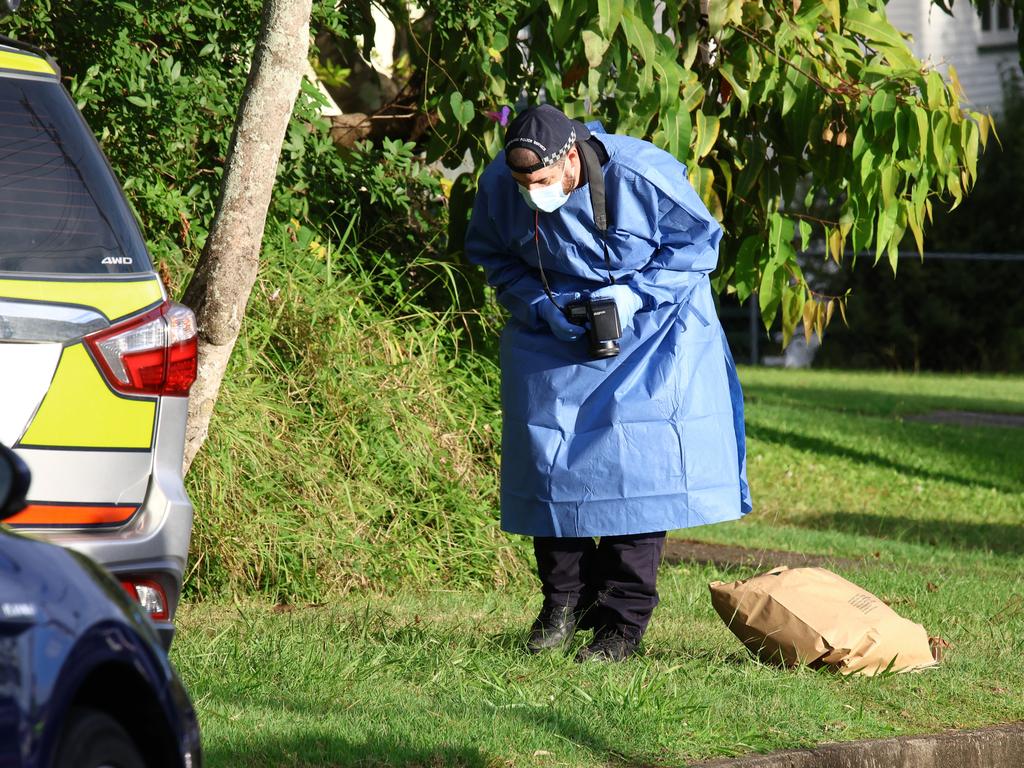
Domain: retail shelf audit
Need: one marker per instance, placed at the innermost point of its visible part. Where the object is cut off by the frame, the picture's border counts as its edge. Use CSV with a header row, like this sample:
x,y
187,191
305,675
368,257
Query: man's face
x,y
550,175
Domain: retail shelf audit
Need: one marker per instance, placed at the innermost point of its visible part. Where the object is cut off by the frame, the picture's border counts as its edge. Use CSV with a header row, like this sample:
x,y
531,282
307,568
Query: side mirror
x,y
14,482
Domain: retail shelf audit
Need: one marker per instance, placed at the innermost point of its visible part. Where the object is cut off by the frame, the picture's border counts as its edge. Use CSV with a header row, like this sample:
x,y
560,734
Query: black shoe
x,y
553,628
608,645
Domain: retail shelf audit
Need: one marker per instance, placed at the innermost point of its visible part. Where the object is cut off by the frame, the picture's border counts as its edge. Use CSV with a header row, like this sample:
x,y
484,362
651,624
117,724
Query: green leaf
x,y
639,35
867,166
702,180
846,222
794,299
834,12
883,101
984,122
940,133
669,73
746,267
726,173
789,92
915,214
770,292
752,169
693,93
893,250
880,34
901,136
138,101
609,16
780,239
461,110
707,134
675,123
921,116
886,226
955,189
805,234
741,94
863,229
936,89
889,176
564,23
971,150
594,47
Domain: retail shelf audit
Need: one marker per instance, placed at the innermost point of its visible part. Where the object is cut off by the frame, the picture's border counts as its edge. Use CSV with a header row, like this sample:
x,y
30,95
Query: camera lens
x,y
604,349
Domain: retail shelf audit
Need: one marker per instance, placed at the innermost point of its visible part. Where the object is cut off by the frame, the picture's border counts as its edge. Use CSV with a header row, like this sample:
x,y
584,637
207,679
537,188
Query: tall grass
x,y
355,439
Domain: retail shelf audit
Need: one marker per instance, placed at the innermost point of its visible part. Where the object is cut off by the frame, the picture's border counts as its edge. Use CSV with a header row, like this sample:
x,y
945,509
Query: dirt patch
x,y
970,419
727,556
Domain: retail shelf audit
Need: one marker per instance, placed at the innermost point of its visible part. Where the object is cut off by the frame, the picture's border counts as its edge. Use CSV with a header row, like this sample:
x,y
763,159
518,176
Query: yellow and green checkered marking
x,y
80,410
114,298
25,62
109,421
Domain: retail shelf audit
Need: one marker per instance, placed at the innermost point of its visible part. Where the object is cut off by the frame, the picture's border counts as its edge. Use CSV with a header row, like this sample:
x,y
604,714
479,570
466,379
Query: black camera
x,y
601,319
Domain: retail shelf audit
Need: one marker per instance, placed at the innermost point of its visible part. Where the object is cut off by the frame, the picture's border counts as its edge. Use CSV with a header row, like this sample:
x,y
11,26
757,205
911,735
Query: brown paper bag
x,y
812,616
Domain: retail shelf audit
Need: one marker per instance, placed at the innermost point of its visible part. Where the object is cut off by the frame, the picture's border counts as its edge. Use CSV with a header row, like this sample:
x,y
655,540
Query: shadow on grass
x,y
606,745
326,750
1000,538
821,447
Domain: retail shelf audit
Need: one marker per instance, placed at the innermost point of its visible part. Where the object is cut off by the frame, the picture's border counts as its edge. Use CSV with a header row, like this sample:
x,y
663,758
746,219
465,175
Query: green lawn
x,y
933,515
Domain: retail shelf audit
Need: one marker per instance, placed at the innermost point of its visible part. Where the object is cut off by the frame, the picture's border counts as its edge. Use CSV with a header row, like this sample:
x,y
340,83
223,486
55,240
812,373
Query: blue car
x,y
84,679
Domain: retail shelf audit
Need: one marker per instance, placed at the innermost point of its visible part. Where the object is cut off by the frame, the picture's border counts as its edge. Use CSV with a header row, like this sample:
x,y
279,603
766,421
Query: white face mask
x,y
547,198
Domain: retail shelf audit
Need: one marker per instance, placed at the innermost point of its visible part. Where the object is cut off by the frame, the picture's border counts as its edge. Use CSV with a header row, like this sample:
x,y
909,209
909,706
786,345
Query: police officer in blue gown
x,y
621,448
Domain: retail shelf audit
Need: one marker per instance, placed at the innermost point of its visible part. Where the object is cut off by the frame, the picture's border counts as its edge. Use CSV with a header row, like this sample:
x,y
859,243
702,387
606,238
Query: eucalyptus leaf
x,y
609,16
595,46
707,134
745,275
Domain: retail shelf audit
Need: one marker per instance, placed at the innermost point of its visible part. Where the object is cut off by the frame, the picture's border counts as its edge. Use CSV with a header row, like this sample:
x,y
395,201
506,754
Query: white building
x,y
980,42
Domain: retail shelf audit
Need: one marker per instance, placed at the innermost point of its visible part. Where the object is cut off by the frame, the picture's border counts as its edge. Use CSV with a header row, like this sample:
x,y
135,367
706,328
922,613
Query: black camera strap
x,y
595,178
598,201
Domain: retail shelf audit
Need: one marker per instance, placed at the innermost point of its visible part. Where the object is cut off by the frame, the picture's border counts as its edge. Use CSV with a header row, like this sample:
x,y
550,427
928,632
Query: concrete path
x,y
1001,746
970,418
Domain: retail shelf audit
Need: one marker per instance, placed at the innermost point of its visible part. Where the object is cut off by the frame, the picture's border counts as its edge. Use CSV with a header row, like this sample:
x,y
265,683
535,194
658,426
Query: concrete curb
x,y
1000,746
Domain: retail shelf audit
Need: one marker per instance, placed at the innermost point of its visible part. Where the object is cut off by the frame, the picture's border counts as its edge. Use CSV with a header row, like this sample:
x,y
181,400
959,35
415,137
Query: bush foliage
x,y
948,315
756,98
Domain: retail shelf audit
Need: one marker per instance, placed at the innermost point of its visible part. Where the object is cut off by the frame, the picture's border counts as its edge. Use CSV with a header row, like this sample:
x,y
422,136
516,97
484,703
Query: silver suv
x,y
95,362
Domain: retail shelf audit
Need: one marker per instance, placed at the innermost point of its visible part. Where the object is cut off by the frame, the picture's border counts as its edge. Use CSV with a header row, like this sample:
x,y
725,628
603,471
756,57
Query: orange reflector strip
x,y
73,514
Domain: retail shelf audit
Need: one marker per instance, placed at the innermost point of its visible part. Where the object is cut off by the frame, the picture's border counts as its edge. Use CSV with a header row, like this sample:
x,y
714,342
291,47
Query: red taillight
x,y
149,594
152,354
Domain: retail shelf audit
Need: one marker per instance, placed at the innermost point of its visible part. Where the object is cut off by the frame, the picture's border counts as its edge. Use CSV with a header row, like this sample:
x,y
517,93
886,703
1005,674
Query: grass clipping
x,y
814,617
353,446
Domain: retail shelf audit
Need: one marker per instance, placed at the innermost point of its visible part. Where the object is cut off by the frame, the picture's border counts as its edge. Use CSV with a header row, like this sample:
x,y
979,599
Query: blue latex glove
x,y
553,316
627,301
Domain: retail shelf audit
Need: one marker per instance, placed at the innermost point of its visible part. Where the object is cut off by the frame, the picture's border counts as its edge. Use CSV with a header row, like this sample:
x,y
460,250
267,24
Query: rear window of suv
x,y
61,210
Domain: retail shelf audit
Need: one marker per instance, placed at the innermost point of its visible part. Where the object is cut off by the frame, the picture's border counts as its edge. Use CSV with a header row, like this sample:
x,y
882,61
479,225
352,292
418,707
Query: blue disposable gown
x,y
650,440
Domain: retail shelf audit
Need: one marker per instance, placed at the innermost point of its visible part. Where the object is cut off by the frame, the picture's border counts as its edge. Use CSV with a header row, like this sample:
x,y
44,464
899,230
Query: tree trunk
x,y
223,279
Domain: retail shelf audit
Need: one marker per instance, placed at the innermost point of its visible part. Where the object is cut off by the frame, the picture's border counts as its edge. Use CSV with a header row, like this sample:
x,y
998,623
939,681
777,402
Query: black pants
x,y
617,576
